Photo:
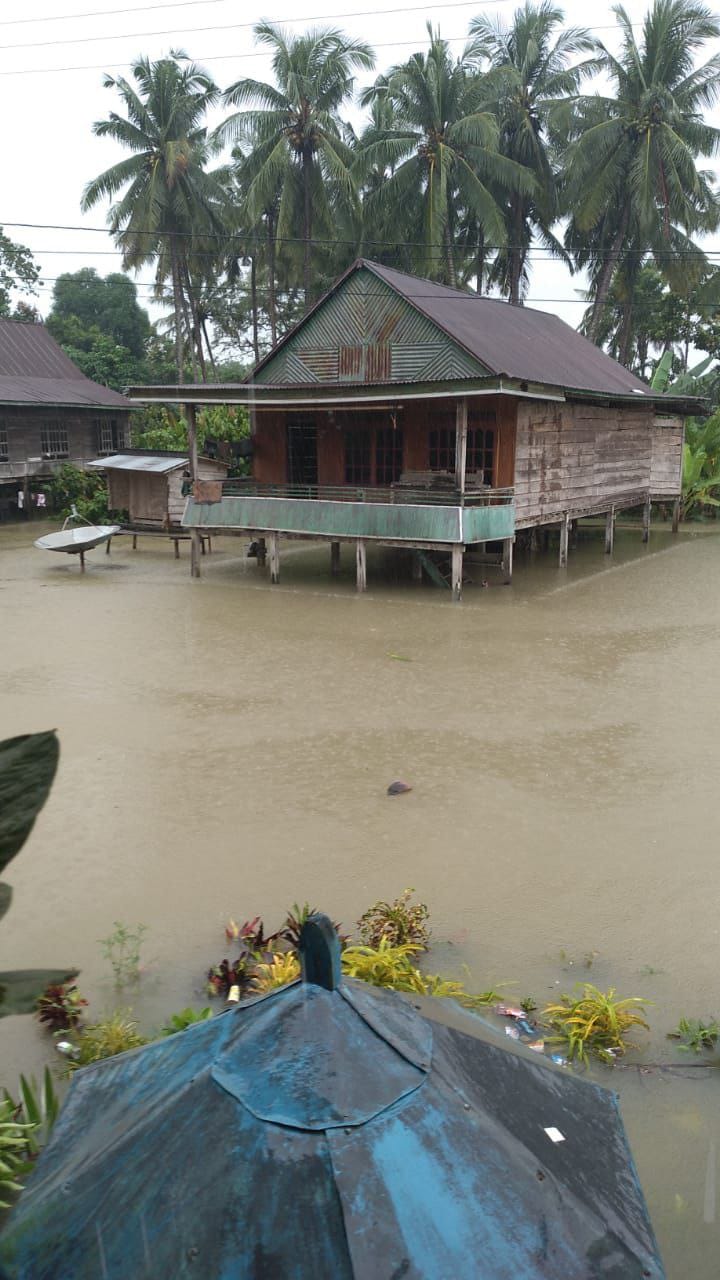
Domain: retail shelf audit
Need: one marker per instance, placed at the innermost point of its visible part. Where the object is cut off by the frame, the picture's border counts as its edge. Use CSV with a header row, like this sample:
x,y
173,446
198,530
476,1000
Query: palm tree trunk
x,y
182,270
626,333
516,253
254,307
480,262
208,344
449,257
307,228
195,335
272,311
177,306
606,274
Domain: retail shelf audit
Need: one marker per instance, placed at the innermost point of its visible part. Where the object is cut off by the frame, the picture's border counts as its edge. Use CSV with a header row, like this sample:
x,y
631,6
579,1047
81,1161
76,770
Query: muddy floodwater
x,y
227,746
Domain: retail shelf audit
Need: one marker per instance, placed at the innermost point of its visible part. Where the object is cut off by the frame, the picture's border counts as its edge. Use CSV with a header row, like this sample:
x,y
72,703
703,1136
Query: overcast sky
x,y
51,91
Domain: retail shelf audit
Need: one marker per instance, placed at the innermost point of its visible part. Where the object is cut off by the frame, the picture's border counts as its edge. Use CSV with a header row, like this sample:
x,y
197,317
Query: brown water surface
x,y
226,749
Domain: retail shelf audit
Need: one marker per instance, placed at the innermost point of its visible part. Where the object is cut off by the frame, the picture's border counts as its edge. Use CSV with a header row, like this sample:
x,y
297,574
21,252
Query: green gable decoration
x,y
365,332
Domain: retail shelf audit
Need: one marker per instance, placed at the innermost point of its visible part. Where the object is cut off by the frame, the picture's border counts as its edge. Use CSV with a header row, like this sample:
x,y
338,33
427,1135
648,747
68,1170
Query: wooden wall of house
x,y
417,419
570,457
23,427
208,469
668,435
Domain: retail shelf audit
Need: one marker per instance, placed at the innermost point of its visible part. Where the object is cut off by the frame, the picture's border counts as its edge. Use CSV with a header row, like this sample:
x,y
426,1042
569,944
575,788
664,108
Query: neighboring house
x,y
50,413
153,487
406,413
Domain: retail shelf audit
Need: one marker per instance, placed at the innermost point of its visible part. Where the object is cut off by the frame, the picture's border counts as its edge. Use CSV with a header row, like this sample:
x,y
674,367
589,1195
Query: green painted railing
x,y
438,492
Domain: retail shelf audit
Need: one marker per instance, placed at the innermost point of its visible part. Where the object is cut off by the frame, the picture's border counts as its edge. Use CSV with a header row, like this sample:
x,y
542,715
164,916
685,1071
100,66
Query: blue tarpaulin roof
x,y
331,1131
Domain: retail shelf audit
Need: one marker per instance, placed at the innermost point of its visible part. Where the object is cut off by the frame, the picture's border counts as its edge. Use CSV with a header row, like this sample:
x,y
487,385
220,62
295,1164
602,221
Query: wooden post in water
x,y
274,558
457,572
564,535
361,564
609,531
334,559
261,552
82,561
193,452
647,505
416,567
507,559
676,515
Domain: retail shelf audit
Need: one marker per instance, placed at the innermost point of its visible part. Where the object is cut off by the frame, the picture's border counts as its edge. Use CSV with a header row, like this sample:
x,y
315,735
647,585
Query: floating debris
x,y
399,657
398,788
509,1011
537,1046
512,1032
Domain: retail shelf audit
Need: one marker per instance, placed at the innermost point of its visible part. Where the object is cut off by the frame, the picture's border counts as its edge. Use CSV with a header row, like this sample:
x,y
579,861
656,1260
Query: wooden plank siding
x,y
576,457
23,428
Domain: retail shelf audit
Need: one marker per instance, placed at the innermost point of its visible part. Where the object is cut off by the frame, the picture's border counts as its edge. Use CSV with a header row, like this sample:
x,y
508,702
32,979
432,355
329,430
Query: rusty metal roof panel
x,y
35,370
515,342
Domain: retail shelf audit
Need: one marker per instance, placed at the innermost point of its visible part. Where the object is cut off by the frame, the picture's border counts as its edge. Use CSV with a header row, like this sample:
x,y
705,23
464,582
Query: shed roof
x,y
34,370
158,463
507,341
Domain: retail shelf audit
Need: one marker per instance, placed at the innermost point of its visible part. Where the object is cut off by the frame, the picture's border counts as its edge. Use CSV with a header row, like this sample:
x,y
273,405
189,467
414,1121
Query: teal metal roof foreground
x,y
385,522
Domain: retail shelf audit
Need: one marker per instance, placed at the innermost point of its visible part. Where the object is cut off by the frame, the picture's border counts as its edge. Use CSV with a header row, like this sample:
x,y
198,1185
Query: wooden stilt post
x,y
457,572
564,533
507,559
533,539
274,558
193,451
546,539
261,552
82,561
416,566
646,520
107,546
609,531
334,559
676,515
361,564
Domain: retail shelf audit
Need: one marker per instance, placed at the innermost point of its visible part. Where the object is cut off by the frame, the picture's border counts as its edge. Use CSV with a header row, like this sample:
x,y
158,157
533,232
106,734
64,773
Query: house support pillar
x,y
676,515
274,558
461,430
564,536
261,552
361,564
507,559
416,567
334,558
190,418
457,573
609,531
647,505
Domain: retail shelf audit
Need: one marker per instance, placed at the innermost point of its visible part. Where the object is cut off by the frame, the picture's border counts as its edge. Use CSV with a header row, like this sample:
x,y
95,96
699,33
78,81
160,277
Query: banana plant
x,y
27,767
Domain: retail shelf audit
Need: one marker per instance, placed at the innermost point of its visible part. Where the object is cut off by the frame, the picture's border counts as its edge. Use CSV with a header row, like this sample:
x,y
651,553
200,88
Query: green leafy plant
x,y
695,1035
60,1006
185,1018
114,1034
227,974
596,1022
528,1005
122,948
27,767
396,922
37,1107
283,968
85,490
389,965
14,1163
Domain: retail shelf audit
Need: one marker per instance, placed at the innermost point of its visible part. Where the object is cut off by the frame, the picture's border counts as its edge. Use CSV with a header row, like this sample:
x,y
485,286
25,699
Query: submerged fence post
x,y
564,536
609,531
647,507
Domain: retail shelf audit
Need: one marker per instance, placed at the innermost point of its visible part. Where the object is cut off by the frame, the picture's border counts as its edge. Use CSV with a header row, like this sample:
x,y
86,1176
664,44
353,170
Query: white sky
x,y
50,152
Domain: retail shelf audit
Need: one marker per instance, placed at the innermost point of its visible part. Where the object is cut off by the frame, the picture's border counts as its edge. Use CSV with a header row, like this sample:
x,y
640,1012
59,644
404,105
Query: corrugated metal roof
x,y
513,342
35,370
159,463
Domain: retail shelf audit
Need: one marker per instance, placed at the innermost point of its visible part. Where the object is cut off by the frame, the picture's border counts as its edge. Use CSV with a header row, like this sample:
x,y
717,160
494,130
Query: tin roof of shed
x,y
158,463
34,370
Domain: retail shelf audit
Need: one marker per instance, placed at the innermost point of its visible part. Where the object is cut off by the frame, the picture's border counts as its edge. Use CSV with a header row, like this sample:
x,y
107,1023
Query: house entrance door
x,y
302,451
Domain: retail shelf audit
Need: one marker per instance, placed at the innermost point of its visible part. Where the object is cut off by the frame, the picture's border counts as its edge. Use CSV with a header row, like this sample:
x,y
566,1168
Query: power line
x,y
322,242
239,26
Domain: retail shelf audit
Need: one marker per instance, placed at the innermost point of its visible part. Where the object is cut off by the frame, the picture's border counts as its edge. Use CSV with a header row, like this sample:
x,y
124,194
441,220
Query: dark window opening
x,y
54,440
302,451
111,435
358,457
4,449
442,449
388,455
481,452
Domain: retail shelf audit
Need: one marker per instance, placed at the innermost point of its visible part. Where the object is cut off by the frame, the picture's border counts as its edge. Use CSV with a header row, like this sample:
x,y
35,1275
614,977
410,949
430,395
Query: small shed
x,y
149,486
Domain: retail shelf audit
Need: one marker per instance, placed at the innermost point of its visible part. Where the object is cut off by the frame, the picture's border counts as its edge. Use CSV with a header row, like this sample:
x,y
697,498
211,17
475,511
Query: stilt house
x,y
406,413
50,413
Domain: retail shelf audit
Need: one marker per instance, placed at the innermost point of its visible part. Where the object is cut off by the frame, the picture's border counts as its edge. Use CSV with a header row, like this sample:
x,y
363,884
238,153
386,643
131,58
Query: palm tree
x,y
292,136
632,178
440,155
169,201
527,76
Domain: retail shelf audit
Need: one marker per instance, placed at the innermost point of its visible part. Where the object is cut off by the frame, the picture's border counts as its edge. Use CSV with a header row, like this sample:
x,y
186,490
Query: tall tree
x,y
632,176
169,200
110,303
292,134
18,271
527,76
439,153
